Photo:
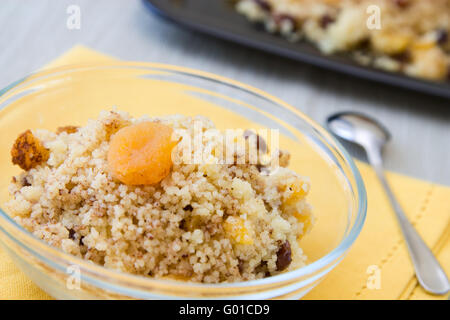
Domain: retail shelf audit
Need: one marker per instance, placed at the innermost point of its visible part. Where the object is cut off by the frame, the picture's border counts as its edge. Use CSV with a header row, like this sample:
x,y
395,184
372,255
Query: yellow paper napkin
x,y
377,266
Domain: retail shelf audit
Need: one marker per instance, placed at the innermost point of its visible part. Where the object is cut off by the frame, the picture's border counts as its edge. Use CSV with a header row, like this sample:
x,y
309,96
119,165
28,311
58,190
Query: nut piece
x,y
284,256
28,151
67,129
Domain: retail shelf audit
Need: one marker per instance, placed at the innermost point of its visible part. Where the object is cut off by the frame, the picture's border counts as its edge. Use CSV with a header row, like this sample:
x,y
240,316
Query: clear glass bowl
x,y
71,95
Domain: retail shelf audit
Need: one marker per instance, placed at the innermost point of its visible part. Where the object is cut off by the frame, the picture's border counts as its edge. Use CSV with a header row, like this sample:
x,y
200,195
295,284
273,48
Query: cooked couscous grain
x,y
205,222
409,36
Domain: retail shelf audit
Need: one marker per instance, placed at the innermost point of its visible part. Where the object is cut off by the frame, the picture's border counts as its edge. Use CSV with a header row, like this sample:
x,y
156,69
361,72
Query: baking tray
x,y
218,18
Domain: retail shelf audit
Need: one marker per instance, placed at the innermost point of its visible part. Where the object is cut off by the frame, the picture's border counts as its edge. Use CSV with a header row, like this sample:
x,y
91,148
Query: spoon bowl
x,y
358,128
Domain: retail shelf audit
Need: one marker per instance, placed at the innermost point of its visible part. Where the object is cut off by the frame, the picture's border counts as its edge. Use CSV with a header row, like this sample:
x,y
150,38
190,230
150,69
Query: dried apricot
x,y
28,151
236,229
141,153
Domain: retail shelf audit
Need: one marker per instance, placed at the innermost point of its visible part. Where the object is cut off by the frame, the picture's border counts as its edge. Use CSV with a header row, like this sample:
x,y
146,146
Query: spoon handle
x,y
430,274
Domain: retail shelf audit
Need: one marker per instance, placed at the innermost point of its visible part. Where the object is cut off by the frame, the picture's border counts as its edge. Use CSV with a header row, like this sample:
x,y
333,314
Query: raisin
x,y
401,3
284,257
263,169
260,142
325,21
241,266
263,5
403,57
72,234
188,208
25,182
441,36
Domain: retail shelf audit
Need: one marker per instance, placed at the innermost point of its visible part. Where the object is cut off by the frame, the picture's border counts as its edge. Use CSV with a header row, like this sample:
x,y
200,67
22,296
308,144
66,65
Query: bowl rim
x,y
139,282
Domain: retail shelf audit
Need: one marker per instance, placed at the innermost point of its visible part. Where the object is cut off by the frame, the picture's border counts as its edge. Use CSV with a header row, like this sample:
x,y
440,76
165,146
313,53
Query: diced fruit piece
x,y
28,151
424,44
428,63
304,218
390,43
236,229
296,191
141,153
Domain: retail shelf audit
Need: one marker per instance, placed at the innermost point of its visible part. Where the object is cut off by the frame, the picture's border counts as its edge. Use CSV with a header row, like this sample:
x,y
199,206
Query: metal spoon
x,y
372,136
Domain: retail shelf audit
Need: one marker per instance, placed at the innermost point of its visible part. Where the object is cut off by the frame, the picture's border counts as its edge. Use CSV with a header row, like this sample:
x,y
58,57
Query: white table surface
x,y
33,32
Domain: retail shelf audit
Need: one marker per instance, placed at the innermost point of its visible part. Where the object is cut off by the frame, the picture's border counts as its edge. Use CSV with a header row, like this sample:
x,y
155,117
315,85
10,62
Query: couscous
x,y
110,193
408,36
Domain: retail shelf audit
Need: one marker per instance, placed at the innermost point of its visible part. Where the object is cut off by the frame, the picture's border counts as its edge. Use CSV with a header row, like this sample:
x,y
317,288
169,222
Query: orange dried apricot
x,y
28,151
141,153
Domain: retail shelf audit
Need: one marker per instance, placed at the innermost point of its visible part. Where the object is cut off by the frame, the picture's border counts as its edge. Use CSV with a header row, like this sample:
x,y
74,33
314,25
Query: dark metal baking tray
x,y
218,18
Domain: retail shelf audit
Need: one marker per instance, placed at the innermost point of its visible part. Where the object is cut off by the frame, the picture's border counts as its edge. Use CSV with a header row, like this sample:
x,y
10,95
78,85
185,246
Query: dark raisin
x,y
441,36
401,3
182,224
325,21
284,256
262,169
25,182
240,266
262,267
72,234
260,142
188,208
403,57
263,5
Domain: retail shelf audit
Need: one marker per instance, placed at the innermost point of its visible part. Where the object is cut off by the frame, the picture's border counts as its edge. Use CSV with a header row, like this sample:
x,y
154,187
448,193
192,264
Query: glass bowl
x,y
71,95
